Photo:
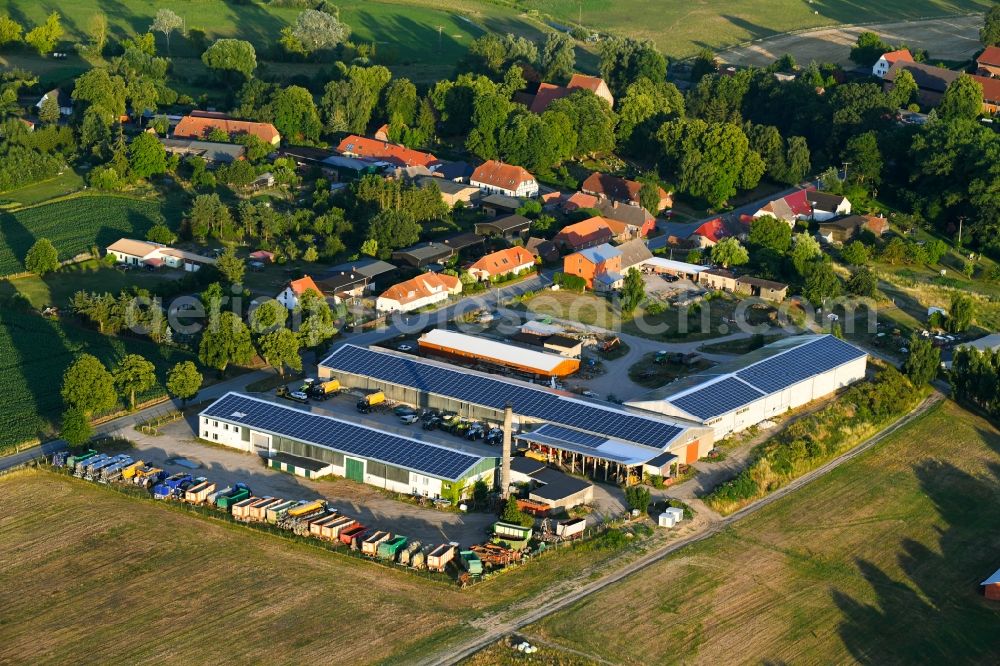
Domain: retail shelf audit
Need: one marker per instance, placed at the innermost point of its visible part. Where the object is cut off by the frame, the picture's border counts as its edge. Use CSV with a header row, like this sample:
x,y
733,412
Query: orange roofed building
x,y
592,231
199,127
289,296
496,177
374,149
549,92
505,262
613,188
418,292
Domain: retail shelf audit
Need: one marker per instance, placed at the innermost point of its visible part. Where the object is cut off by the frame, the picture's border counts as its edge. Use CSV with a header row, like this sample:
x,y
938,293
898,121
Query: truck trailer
x,y
439,558
390,548
226,502
353,536
331,529
199,492
277,511
370,545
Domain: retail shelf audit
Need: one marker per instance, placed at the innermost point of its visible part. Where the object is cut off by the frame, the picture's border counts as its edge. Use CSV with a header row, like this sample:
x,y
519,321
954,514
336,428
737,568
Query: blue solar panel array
x,y
793,366
575,436
718,398
342,436
495,393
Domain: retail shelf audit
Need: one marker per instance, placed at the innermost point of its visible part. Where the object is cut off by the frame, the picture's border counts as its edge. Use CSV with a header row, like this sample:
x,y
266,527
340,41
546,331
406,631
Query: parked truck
x,y
471,562
128,472
72,460
367,403
198,493
418,559
439,558
239,493
406,555
172,485
353,536
571,529
148,476
81,466
258,512
277,511
93,472
114,472
241,510
390,548
324,390
331,529
370,545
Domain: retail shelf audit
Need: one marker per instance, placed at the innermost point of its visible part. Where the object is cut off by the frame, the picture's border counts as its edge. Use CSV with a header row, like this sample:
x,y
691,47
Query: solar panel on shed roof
x,y
718,398
348,438
491,392
793,366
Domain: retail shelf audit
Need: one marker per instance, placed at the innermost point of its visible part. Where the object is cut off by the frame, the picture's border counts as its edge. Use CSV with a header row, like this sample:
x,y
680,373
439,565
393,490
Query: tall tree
x,y
558,58
904,87
317,322
922,362
97,30
268,316
167,22
76,428
10,30
633,291
314,31
49,112
805,250
44,37
295,114
400,104
822,283
88,386
865,158
280,348
393,229
134,374
863,282
729,252
624,60
643,108
961,313
42,258
103,94
226,340
592,120
989,34
963,99
184,381
348,102
868,49
230,266
231,55
147,157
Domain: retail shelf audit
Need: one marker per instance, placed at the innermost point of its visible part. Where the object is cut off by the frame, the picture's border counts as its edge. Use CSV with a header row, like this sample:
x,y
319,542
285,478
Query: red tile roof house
x,y
579,200
549,92
418,292
513,181
289,296
709,233
513,260
613,188
199,127
988,62
883,64
373,149
590,232
637,216
806,204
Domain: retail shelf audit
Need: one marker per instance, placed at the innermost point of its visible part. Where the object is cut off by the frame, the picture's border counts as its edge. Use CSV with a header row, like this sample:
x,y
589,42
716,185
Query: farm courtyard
x,y
846,569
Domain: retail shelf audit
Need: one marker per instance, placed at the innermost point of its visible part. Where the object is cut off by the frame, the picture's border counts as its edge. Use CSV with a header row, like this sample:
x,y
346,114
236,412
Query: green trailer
x,y
471,562
226,502
72,460
389,550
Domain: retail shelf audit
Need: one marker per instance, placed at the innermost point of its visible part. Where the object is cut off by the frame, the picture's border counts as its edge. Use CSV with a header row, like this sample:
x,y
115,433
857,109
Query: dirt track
x,y
954,38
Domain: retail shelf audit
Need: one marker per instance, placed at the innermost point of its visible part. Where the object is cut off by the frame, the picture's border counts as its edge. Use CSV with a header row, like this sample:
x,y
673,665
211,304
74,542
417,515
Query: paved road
x,y
501,628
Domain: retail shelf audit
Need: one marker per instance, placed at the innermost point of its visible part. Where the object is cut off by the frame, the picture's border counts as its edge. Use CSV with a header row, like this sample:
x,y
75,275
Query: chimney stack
x,y
508,427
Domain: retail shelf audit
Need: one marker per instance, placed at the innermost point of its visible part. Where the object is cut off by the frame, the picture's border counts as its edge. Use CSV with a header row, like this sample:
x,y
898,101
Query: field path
x,y
950,38
495,628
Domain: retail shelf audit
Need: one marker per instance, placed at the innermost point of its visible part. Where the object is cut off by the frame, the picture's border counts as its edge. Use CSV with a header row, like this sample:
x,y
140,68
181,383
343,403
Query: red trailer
x,y
354,536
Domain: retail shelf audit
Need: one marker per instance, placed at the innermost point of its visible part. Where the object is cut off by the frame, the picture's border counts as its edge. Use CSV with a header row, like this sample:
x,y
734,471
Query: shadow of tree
x,y
934,614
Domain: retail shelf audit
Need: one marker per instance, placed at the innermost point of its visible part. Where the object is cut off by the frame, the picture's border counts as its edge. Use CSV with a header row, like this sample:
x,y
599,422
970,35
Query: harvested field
x,y
124,580
846,569
953,39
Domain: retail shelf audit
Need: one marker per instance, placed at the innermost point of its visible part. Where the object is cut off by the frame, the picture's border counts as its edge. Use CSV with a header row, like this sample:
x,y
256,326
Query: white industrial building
x,y
763,384
343,448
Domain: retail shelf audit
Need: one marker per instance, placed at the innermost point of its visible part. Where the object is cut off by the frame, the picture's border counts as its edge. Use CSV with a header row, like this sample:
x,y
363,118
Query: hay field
x,y
879,562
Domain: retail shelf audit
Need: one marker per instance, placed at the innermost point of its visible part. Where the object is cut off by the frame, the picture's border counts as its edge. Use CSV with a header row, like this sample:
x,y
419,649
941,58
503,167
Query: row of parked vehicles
x,y
450,422
303,517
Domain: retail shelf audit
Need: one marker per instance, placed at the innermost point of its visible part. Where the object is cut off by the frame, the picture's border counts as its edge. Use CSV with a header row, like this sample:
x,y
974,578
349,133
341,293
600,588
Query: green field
x,y
34,353
75,225
851,568
406,34
65,183
681,28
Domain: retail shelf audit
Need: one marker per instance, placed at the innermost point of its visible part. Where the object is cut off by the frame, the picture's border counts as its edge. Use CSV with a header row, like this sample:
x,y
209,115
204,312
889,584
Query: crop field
x,y
850,568
74,225
681,28
34,353
124,580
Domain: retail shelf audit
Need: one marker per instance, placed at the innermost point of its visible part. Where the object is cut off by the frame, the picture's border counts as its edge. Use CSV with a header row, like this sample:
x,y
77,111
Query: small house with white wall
x,y
289,296
144,253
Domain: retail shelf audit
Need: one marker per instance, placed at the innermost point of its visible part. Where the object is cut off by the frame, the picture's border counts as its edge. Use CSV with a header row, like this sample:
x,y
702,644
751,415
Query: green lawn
x,y
58,288
65,183
849,569
681,28
76,224
34,353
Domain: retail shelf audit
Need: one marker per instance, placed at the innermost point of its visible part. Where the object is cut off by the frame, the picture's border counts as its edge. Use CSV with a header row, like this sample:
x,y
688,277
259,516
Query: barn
x,y
765,383
588,437
475,349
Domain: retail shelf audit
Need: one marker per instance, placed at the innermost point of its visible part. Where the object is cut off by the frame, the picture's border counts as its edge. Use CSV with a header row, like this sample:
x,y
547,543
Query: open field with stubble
x,y
853,567
91,576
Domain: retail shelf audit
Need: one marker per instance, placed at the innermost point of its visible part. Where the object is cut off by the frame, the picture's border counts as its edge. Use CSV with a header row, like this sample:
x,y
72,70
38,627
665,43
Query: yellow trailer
x,y
129,472
306,509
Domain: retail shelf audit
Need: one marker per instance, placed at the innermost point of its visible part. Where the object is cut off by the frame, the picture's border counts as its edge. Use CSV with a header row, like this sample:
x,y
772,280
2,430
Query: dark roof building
x,y
505,226
544,249
210,151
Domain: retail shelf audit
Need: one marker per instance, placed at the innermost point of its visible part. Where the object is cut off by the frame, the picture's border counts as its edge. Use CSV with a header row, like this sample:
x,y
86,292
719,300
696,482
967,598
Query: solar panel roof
x,y
478,389
718,398
348,438
791,367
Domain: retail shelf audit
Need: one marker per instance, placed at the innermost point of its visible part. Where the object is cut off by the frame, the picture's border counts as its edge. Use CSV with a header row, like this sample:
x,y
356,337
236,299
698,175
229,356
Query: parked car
x,y
409,418
404,410
404,347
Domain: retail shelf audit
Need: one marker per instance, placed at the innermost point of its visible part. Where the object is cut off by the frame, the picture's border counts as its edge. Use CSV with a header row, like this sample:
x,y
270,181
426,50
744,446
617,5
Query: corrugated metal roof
x,y
493,350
